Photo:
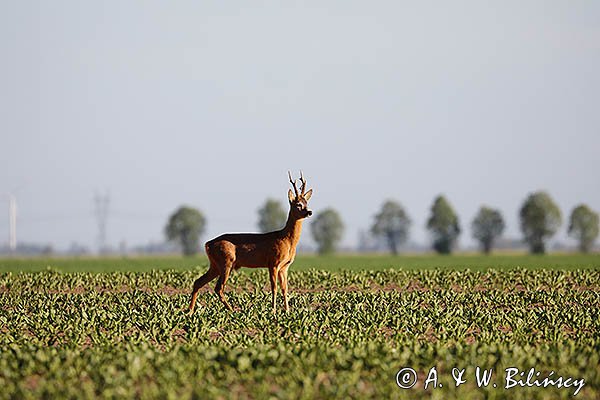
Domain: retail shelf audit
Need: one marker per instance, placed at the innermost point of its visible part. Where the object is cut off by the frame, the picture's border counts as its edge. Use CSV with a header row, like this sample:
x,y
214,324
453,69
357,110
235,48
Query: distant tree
x,y
327,229
540,219
487,226
271,216
443,225
583,226
185,226
391,223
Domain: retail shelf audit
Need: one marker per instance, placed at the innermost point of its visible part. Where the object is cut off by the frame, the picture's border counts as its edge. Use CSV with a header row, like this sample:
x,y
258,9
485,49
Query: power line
x,y
101,203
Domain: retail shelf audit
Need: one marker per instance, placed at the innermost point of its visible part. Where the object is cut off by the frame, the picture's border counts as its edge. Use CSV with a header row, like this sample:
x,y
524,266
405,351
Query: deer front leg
x,y
273,279
283,281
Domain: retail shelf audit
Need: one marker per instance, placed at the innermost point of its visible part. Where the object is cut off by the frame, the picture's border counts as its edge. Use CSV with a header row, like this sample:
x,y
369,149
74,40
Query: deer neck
x,y
293,229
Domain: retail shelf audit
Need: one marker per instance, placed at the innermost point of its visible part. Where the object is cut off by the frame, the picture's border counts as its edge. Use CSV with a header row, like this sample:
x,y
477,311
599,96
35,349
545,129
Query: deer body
x,y
273,250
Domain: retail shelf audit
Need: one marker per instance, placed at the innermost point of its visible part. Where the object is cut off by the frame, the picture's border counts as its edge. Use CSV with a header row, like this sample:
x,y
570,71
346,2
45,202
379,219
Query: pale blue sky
x,y
210,103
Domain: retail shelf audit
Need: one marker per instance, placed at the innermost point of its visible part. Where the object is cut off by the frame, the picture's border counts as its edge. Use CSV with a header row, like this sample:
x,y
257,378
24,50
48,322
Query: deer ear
x,y
307,195
291,197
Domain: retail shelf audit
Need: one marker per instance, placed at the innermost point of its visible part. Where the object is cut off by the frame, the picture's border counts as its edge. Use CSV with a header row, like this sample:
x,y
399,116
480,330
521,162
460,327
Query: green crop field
x,y
474,262
75,330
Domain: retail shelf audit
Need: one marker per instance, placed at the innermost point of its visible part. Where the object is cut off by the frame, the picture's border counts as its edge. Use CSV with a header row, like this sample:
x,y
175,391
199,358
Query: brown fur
x,y
273,250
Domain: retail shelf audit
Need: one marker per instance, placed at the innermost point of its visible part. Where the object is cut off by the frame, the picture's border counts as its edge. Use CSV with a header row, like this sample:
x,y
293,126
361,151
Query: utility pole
x,y
12,223
101,203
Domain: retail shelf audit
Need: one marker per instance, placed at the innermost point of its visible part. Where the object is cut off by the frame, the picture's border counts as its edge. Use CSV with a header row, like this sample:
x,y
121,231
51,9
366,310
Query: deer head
x,y
299,200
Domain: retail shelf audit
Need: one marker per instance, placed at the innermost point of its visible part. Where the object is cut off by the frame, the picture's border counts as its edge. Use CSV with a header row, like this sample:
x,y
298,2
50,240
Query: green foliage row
x,y
84,335
540,218
310,280
283,371
304,262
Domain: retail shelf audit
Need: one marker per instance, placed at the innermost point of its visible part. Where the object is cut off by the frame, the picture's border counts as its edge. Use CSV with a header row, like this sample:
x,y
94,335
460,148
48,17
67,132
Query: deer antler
x,y
293,182
303,188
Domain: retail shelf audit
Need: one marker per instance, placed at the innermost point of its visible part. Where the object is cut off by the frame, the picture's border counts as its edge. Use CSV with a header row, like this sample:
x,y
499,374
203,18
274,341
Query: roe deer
x,y
273,250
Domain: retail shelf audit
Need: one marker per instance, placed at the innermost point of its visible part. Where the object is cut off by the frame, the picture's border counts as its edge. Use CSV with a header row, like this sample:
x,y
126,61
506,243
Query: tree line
x,y
540,219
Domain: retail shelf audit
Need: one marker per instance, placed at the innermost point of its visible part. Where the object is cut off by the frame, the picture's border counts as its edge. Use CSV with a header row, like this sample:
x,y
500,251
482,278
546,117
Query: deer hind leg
x,y
220,286
211,274
283,281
